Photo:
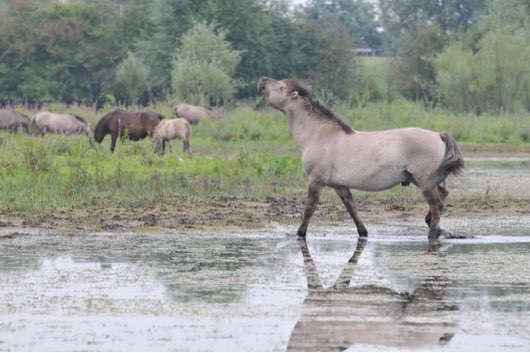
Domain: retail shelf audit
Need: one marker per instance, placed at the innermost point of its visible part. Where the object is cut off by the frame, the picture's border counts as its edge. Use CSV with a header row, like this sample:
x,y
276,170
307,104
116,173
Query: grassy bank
x,y
247,155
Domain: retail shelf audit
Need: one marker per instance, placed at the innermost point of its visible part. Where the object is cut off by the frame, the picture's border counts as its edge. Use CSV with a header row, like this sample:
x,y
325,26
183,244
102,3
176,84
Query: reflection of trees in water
x,y
191,268
216,270
339,316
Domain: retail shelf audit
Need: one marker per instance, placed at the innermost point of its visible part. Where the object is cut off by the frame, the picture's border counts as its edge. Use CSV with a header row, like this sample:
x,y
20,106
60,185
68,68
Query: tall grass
x,y
247,154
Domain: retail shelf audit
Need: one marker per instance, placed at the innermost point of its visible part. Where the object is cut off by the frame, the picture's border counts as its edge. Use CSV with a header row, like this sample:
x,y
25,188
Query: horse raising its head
x,y
335,155
122,123
281,93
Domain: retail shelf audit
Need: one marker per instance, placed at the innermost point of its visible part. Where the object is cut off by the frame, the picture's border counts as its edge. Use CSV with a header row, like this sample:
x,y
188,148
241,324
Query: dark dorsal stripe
x,y
315,105
79,118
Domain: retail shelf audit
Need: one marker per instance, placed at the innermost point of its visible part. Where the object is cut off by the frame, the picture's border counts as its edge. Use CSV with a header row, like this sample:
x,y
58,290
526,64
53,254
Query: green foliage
x,y
491,74
56,51
204,66
402,17
132,74
78,51
356,18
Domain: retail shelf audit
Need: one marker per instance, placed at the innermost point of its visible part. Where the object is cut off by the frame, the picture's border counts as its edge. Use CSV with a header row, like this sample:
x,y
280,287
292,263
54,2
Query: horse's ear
x,y
294,94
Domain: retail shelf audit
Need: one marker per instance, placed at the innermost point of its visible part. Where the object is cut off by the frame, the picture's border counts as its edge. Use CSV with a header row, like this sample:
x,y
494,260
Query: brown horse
x,y
133,125
335,155
13,121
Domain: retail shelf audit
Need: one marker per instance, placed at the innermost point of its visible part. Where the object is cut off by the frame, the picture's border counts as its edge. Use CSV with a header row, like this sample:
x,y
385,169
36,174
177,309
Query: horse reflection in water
x,y
337,317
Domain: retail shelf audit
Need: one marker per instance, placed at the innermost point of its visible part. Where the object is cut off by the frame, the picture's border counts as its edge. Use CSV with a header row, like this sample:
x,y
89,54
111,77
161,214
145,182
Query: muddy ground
x,y
235,213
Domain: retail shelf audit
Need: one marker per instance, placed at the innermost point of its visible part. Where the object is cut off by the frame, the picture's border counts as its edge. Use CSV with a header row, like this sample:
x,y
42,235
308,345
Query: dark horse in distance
x,y
134,125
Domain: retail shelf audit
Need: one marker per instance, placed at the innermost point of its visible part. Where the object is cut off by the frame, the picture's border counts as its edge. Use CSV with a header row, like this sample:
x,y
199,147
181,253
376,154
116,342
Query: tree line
x,y
464,55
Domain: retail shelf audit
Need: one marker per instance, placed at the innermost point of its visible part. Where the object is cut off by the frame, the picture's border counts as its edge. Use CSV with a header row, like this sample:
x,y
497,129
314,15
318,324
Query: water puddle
x,y
264,292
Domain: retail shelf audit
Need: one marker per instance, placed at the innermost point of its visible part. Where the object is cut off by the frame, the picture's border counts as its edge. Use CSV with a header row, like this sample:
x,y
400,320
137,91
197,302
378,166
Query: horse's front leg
x,y
347,199
113,138
313,195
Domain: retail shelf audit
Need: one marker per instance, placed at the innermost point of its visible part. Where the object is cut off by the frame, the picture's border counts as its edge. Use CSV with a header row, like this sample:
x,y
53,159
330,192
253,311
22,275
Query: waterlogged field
x,y
132,251
264,291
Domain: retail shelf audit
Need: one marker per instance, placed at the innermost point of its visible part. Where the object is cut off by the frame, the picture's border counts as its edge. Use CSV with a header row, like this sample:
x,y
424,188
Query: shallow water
x,y
269,291
264,292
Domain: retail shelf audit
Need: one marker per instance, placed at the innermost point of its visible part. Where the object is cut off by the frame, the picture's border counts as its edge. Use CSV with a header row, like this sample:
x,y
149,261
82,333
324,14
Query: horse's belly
x,y
367,180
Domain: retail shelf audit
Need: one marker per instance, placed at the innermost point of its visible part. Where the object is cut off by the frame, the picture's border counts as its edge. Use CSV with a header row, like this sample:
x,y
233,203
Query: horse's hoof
x,y
434,246
450,235
443,233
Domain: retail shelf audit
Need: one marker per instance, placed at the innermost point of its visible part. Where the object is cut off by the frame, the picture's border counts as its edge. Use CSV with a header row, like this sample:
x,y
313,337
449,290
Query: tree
x,y
416,30
488,69
57,51
131,74
356,18
204,66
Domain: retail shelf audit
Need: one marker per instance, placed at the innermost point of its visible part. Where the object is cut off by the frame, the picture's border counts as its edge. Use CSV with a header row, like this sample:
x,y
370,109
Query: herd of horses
x,y
118,123
333,154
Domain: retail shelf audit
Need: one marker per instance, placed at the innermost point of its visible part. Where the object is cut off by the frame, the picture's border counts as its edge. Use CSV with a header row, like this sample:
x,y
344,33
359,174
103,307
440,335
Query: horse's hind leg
x,y
435,203
347,199
443,195
186,146
313,195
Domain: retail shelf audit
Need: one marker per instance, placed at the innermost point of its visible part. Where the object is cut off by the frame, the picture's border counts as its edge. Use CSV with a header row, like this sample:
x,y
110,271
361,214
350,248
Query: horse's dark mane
x,y
79,118
315,105
101,128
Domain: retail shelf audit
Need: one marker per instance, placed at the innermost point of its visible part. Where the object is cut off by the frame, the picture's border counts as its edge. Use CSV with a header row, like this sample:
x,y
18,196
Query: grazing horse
x,y
194,113
60,124
346,314
170,130
335,155
13,121
134,125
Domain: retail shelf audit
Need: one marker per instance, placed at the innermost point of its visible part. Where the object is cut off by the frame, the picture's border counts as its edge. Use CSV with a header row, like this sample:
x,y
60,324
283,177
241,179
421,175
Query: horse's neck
x,y
305,129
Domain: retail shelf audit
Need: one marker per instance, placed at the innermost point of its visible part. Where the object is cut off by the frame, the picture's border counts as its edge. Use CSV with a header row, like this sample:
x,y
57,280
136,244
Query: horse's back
x,y
12,120
407,144
194,113
172,128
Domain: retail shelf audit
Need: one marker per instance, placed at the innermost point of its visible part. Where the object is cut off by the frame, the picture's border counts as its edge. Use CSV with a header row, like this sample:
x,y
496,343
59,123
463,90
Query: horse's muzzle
x,y
261,83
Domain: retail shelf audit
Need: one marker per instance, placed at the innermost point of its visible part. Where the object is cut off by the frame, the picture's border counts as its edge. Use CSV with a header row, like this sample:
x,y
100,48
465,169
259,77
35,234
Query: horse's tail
x,y
187,137
187,133
156,132
101,129
32,124
453,162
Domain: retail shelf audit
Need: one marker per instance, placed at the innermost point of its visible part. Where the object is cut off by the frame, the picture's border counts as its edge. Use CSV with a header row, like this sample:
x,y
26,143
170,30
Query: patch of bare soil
x,y
231,213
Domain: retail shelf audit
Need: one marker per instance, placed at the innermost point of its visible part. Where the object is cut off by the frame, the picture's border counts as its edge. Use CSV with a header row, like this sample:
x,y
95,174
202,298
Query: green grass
x,y
248,154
